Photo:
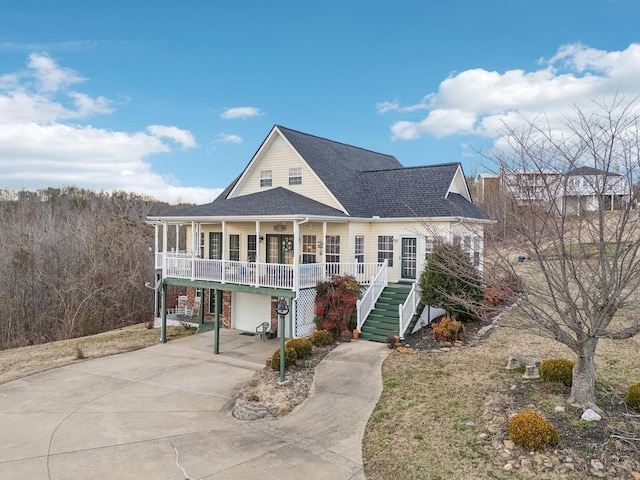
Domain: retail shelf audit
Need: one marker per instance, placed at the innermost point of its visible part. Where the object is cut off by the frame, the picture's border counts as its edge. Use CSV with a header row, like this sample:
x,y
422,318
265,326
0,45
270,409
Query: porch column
x,y
296,255
257,241
257,263
155,245
165,239
177,238
324,248
193,239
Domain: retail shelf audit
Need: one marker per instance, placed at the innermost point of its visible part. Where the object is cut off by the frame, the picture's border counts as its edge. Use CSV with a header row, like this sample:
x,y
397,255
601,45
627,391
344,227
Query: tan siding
x,y
279,157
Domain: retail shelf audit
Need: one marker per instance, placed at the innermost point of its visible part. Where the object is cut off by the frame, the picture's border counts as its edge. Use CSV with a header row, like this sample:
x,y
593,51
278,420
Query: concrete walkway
x,y
164,412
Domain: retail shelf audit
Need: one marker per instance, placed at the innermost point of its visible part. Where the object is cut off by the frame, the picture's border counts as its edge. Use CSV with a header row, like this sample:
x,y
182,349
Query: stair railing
x,y
407,310
369,299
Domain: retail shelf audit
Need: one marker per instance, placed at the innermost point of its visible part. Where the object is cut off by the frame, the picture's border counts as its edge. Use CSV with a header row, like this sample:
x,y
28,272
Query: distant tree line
x,y
74,263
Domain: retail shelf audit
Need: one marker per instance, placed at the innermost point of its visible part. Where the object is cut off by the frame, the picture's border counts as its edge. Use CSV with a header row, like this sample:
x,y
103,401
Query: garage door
x,y
250,310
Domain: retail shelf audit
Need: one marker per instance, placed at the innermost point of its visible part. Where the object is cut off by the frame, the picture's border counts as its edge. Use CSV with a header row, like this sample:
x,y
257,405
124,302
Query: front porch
x,y
184,266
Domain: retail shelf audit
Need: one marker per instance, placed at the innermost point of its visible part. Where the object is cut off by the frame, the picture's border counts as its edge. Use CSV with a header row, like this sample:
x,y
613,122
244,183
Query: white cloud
x,y
38,149
228,138
183,137
241,112
480,102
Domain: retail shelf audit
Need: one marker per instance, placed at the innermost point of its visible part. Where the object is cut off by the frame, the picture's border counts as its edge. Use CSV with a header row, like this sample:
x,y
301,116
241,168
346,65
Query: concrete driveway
x,y
164,412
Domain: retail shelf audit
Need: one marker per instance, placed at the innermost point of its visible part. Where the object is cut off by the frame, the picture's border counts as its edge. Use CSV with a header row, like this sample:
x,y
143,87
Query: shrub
x,y
450,281
302,346
335,304
558,370
447,330
531,431
321,338
633,396
290,357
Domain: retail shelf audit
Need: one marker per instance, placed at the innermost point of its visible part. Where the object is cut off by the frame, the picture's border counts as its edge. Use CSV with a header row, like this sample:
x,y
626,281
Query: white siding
x,y
278,157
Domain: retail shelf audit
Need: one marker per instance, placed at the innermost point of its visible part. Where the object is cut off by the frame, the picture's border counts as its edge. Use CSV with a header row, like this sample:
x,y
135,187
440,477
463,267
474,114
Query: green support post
x,y
216,339
281,329
163,325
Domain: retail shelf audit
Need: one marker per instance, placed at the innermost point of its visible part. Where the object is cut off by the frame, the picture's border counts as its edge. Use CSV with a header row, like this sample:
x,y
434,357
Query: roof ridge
x,y
334,141
448,164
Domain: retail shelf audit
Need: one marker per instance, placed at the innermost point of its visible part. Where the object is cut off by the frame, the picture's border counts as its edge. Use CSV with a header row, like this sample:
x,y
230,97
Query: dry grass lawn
x,y
20,362
427,423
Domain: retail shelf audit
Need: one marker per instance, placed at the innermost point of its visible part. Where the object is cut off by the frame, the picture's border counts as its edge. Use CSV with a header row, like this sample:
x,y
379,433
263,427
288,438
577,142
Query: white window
x,y
359,248
266,178
385,249
332,249
295,176
308,249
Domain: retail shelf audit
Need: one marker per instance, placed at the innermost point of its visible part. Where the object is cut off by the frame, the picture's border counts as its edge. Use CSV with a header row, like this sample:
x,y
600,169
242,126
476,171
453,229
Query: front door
x,y
280,249
408,258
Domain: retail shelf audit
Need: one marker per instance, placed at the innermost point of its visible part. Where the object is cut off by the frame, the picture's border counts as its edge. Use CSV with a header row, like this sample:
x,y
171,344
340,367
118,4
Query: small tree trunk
x,y
583,383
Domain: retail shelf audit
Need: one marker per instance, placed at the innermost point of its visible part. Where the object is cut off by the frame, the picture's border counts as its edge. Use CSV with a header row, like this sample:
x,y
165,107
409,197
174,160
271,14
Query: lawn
x,y
19,362
443,415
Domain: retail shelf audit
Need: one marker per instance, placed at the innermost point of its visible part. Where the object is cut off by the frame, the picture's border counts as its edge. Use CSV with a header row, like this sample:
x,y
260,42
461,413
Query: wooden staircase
x,y
383,320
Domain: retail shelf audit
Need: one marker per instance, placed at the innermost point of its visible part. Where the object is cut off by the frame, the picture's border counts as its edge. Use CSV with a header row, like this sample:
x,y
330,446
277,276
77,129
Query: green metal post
x,y
163,324
281,329
216,339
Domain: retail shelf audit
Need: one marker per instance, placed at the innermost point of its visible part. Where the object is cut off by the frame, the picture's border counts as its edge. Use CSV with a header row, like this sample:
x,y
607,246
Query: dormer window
x,y
266,178
295,176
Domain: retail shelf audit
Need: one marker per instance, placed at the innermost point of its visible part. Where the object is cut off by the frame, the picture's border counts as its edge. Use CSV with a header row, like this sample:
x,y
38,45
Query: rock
x,y
470,424
483,436
508,444
525,463
635,475
597,464
590,416
559,409
505,455
540,459
508,466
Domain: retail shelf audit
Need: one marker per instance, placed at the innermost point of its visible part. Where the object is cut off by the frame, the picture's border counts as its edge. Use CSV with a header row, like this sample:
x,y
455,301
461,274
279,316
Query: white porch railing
x,y
273,275
369,299
407,309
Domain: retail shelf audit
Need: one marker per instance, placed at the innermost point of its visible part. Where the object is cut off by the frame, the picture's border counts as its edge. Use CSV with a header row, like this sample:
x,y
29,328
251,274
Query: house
x,y
588,189
303,209
577,190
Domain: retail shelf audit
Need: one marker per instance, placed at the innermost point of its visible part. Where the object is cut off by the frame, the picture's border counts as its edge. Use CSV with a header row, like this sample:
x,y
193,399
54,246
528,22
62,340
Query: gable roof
x,y
366,183
414,192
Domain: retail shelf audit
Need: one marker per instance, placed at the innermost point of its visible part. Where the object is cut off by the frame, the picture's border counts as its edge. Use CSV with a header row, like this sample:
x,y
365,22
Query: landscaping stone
x,y
590,416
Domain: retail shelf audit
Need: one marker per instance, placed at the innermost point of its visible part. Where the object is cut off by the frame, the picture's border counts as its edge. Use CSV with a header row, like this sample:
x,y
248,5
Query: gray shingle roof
x,y
275,201
586,171
366,183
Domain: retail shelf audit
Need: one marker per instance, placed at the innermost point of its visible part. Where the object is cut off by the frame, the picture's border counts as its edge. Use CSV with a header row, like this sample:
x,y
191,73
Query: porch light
x,y
282,308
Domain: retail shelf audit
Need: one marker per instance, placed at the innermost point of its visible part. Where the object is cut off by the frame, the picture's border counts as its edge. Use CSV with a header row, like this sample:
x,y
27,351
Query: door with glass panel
x,y
408,258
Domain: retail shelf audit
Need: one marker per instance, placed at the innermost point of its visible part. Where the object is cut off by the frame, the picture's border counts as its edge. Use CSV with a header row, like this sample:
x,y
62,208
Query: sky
x,y
172,98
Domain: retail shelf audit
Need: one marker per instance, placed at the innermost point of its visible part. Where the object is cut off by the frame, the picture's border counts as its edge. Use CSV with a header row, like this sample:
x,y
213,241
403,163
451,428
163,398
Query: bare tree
x,y
576,222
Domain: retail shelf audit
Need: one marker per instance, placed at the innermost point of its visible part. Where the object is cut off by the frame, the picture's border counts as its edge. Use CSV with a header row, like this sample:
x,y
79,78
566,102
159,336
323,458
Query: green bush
x,y
302,346
633,396
531,431
558,370
322,338
290,357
